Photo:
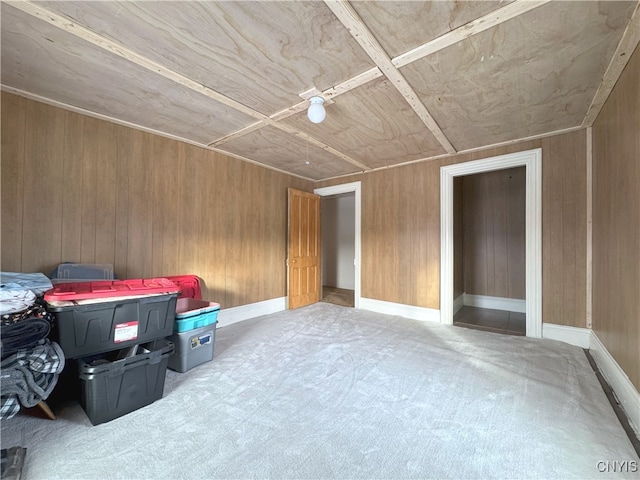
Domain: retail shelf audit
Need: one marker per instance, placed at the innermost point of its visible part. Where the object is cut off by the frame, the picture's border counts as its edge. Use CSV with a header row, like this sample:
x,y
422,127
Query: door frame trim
x,y
348,188
532,160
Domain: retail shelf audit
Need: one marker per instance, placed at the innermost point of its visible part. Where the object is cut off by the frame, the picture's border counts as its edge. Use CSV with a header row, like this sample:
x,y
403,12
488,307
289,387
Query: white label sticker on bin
x,y
125,332
200,340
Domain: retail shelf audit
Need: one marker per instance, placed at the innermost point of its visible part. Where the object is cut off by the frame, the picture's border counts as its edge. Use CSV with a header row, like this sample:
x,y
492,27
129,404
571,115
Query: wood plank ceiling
x,y
404,81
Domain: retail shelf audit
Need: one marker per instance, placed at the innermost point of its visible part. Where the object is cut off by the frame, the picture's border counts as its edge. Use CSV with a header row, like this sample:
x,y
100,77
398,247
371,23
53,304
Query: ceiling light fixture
x,y
316,112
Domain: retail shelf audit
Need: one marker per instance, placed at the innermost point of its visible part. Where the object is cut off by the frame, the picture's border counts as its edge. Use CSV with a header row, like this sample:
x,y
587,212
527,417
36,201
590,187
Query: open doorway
x,y
338,249
489,251
532,161
344,255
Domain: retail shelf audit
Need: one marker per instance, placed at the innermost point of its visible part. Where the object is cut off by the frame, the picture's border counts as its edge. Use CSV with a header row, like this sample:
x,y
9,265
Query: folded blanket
x,y
29,376
37,310
25,334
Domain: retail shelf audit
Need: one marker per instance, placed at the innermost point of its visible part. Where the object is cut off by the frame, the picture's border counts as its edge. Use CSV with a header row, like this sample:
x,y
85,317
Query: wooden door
x,y
303,258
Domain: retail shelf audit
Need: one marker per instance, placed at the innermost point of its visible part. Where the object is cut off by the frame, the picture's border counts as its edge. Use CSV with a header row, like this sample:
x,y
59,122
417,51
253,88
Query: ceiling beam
x,y
354,82
628,43
474,27
84,33
356,27
239,133
289,129
328,94
293,130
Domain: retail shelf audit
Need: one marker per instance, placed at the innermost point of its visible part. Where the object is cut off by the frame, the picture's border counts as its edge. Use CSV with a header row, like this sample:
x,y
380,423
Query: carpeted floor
x,y
333,392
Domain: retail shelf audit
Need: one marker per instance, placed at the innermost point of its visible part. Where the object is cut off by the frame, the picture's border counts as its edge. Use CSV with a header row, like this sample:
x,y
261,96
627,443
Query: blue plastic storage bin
x,y
192,313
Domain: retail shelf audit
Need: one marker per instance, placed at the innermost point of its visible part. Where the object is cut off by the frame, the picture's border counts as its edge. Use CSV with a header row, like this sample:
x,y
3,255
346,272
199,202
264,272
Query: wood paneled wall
x,y
401,228
616,222
494,233
154,206
458,238
83,190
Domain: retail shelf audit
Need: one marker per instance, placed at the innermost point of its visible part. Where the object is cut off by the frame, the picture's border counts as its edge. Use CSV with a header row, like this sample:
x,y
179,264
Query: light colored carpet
x,y
332,392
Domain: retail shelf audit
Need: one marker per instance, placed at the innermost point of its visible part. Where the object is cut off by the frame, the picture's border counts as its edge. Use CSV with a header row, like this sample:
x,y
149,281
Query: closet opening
x,y
531,160
489,228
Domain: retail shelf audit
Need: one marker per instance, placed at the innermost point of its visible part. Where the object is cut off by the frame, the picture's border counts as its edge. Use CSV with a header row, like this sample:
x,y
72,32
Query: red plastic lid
x,y
110,288
189,284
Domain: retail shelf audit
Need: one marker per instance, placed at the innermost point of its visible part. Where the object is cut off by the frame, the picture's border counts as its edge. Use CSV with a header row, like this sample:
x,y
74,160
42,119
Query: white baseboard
x,y
227,316
495,303
624,390
458,303
400,309
580,337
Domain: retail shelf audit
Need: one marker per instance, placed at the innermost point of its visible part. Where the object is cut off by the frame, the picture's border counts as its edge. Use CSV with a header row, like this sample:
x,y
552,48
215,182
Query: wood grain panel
x,y
564,223
12,181
191,169
276,228
98,197
166,219
516,230
73,163
400,235
200,254
616,222
232,46
255,226
373,125
244,228
427,181
43,169
211,265
125,153
140,214
420,21
475,263
380,236
525,92
44,60
458,239
494,233
105,214
88,187
279,149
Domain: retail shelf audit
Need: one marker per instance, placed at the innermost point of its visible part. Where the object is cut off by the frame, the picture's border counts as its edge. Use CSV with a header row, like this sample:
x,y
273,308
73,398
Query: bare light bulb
x,y
316,112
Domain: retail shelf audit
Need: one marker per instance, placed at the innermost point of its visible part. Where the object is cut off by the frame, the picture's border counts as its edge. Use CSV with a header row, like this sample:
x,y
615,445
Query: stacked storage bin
x,y
194,333
117,330
194,330
82,272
